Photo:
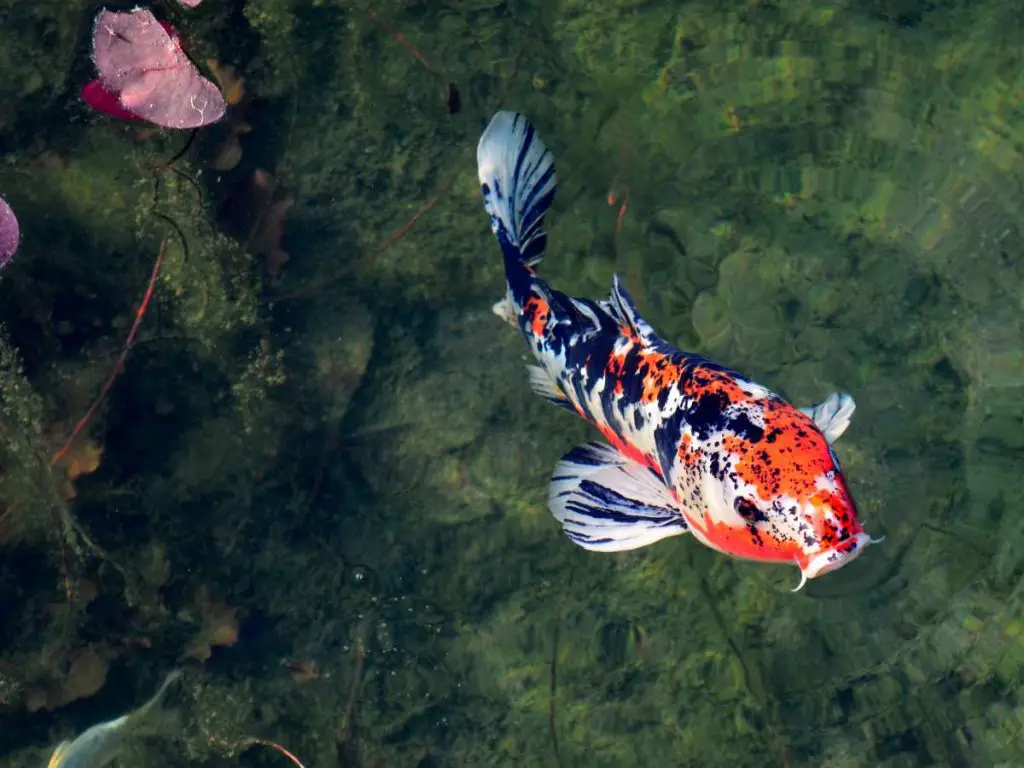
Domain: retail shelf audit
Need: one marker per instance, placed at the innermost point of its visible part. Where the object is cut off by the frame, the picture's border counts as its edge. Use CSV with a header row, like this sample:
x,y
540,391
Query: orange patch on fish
x,y
627,331
787,461
536,309
615,365
625,448
617,359
658,372
712,383
687,453
749,544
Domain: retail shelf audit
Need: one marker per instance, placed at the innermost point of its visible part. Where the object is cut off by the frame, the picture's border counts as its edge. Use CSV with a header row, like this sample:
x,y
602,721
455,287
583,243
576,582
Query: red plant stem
x,y
622,214
249,741
620,192
615,195
278,747
402,41
119,366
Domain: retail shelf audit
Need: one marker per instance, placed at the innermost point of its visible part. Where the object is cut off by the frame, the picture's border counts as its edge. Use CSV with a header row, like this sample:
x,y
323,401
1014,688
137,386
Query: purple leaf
x,y
142,61
8,233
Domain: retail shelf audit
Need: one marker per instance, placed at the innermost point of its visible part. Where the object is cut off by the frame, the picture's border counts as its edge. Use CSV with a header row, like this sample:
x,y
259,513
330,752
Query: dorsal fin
x,y
625,312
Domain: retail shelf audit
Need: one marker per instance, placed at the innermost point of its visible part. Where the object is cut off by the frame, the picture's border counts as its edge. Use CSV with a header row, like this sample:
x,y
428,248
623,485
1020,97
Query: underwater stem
x,y
395,236
119,366
399,38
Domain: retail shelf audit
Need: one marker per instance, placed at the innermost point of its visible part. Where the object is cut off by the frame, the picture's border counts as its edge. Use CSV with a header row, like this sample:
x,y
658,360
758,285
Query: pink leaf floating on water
x,y
9,233
190,3
96,95
141,61
99,97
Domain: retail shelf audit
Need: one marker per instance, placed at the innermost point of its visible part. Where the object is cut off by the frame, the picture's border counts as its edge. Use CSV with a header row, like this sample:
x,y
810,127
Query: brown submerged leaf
x,y
218,626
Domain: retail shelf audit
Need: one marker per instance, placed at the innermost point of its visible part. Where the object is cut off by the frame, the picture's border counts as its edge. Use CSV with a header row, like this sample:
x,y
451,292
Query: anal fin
x,y
542,385
609,503
832,415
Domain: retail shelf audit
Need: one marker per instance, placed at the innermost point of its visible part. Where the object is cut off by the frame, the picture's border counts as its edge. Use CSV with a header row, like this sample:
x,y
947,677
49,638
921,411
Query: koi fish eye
x,y
747,509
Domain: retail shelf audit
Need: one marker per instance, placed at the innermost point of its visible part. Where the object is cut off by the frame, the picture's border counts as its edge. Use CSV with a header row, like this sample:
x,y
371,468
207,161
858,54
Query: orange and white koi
x,y
692,447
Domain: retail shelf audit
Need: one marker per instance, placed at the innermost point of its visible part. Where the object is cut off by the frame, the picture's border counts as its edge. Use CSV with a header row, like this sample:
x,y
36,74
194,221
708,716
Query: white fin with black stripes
x,y
517,180
832,415
624,310
609,503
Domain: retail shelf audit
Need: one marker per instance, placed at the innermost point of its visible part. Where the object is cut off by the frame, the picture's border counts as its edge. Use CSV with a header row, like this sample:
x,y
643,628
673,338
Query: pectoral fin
x,y
832,415
542,385
609,503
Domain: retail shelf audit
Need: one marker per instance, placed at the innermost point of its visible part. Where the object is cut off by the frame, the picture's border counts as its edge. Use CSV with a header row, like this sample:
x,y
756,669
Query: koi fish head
x,y
833,559
783,497
831,535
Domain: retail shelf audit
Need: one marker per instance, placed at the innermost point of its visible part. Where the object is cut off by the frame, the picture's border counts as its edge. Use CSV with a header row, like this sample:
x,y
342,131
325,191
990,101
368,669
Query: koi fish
x,y
692,447
99,745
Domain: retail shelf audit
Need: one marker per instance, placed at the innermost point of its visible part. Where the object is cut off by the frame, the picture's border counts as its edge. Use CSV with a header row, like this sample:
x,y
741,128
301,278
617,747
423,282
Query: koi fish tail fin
x,y
517,179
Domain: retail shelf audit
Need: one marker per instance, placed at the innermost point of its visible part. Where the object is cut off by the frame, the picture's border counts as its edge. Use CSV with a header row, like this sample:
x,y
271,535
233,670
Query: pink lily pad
x,y
9,233
190,3
96,95
144,65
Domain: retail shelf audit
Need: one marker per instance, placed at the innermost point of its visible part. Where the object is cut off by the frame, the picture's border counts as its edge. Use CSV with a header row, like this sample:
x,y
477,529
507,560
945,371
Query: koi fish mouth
x,y
833,559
